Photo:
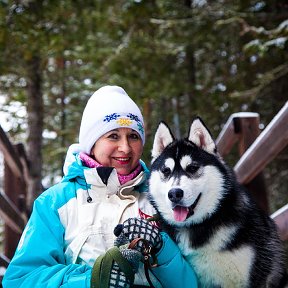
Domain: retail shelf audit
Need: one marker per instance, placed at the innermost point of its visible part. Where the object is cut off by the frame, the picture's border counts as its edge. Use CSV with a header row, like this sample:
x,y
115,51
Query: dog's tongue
x,y
180,213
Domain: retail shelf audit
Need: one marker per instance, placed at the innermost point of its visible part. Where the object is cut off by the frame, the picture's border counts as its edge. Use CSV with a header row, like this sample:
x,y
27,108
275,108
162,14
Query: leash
x,y
150,260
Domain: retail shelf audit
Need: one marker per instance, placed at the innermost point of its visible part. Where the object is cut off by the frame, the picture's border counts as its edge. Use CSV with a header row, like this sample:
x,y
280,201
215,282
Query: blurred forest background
x,y
176,59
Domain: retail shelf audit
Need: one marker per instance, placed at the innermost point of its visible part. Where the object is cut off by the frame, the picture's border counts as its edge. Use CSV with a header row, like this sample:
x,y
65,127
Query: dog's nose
x,y
175,195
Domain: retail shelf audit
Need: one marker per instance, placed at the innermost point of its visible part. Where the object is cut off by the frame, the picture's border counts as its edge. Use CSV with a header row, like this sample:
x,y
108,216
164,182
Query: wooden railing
x,y
13,198
256,151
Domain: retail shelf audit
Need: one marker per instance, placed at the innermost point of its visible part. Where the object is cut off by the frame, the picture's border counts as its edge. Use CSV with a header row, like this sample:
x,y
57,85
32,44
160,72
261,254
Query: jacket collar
x,y
98,179
101,177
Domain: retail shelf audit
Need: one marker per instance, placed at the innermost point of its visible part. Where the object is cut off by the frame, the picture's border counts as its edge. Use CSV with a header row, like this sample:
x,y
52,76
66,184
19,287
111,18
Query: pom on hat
x,y
108,108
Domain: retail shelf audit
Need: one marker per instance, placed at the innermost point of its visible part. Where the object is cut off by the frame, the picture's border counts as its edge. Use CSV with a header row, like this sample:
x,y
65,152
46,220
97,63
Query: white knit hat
x,y
108,108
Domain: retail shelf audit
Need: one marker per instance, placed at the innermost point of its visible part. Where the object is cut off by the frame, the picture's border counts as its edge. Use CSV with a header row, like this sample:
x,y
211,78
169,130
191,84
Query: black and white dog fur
x,y
219,229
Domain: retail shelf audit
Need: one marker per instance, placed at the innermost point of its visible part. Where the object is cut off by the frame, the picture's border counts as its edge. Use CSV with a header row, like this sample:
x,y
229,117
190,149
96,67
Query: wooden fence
x,y
13,198
256,151
242,128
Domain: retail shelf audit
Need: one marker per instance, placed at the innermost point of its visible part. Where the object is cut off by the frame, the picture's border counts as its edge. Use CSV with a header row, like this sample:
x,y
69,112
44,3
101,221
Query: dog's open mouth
x,y
181,213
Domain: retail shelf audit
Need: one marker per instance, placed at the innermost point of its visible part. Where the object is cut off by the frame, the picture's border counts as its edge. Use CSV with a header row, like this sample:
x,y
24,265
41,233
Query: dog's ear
x,y
201,136
163,137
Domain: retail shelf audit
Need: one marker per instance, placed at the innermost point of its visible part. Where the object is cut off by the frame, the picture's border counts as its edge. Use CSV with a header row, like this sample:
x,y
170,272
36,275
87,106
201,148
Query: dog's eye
x,y
166,171
192,168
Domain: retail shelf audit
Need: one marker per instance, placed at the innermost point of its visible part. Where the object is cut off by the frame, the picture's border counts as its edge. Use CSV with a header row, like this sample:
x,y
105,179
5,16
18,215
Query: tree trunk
x,y
190,99
63,109
35,128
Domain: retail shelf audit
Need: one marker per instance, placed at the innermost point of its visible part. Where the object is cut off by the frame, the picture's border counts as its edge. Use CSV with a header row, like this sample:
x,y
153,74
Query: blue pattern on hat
x,y
111,117
133,117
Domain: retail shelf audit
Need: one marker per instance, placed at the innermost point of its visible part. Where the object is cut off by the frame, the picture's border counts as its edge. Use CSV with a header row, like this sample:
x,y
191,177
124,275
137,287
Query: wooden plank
x,y
230,133
270,142
10,155
281,219
10,214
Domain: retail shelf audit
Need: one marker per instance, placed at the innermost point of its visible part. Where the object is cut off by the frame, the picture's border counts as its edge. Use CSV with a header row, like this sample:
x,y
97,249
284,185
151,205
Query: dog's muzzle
x,y
181,213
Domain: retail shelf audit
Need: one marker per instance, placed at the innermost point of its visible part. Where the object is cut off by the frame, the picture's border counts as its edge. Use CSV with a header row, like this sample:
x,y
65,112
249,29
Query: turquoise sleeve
x,y
39,259
173,270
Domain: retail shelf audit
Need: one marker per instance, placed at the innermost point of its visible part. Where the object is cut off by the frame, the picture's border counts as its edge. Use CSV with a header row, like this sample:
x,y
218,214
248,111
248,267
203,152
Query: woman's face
x,y
120,148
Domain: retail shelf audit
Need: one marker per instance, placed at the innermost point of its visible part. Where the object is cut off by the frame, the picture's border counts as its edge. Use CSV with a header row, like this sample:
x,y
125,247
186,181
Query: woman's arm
x,y
173,271
39,259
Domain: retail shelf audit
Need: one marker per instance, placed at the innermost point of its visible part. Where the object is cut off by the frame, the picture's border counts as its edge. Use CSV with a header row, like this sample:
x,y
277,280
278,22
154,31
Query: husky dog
x,y
217,226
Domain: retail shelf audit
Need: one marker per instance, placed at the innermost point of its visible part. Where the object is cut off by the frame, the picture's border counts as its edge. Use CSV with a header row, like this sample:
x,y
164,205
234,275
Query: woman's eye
x,y
134,136
192,168
113,136
166,171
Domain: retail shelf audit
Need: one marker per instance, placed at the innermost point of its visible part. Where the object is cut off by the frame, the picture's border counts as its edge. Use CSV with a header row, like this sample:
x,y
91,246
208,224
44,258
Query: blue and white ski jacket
x,y
66,233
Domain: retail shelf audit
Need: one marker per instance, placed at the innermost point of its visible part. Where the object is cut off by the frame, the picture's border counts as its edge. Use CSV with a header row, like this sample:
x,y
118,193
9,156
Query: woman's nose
x,y
124,146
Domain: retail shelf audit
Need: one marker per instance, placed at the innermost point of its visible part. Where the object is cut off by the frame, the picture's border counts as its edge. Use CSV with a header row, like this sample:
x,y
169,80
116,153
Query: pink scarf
x,y
91,163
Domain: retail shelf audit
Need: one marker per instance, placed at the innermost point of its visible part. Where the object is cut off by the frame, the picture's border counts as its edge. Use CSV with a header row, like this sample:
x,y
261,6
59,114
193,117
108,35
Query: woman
x,y
72,223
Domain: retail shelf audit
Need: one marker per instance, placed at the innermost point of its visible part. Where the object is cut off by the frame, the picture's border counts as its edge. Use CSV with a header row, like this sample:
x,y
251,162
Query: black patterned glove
x,y
138,228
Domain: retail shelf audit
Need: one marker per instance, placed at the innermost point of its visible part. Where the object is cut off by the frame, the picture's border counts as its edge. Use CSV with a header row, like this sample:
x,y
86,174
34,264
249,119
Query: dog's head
x,y
187,175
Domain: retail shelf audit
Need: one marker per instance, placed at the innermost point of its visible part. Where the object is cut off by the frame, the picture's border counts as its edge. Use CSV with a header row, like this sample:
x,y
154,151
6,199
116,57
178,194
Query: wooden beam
x,y
249,130
270,142
10,155
227,137
10,214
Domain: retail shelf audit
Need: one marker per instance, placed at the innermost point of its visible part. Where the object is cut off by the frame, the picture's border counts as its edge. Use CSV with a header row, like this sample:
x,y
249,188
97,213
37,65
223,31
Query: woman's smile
x,y
122,160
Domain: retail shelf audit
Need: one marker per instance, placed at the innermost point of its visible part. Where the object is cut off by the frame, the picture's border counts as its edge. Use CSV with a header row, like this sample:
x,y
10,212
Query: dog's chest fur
x,y
227,268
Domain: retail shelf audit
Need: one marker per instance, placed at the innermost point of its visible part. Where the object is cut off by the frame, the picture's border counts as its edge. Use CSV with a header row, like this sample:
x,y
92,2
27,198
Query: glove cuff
x,y
102,268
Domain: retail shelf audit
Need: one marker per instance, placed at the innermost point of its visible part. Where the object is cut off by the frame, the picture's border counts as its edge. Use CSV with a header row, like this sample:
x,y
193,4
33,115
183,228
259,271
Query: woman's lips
x,y
122,160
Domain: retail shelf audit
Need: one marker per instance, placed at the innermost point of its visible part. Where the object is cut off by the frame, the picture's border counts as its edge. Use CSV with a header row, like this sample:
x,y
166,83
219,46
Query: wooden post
x,y
248,129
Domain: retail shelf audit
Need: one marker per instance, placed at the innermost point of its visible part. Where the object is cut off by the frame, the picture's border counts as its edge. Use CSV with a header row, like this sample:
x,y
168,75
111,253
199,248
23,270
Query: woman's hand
x,y
116,268
138,228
